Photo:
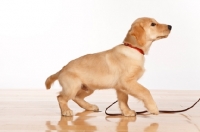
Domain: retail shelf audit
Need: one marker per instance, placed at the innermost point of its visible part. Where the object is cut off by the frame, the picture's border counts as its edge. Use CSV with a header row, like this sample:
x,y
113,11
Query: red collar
x,y
138,49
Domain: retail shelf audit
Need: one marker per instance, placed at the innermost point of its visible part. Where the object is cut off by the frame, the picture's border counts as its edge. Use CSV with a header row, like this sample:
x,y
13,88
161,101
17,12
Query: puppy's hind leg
x,y
65,110
70,86
79,99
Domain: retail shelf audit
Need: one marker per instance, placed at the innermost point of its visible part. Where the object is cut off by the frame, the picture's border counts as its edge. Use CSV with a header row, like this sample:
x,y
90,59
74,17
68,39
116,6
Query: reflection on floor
x,y
81,122
38,110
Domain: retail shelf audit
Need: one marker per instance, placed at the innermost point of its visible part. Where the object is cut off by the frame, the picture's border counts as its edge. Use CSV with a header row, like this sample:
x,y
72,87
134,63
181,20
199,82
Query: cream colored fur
x,y
118,68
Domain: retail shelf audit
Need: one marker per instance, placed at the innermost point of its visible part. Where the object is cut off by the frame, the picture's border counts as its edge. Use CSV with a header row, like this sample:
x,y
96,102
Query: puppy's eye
x,y
153,24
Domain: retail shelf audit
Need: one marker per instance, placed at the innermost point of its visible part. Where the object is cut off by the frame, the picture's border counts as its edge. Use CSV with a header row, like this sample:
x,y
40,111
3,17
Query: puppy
x,y
118,68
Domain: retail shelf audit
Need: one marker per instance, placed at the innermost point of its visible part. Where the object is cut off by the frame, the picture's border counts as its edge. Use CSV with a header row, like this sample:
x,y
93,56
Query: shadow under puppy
x,y
118,68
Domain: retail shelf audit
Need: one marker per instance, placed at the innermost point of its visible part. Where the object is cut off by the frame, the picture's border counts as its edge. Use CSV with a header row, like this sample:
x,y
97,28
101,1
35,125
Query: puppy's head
x,y
146,30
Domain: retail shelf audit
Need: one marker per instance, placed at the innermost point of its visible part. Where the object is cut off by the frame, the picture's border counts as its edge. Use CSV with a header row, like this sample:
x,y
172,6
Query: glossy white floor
x,y
38,110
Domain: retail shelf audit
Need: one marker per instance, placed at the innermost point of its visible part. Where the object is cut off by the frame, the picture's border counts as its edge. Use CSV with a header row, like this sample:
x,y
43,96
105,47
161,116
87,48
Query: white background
x,y
39,37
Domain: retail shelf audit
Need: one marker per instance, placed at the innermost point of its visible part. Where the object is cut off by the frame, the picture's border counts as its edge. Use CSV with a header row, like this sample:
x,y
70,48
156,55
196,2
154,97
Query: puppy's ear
x,y
136,35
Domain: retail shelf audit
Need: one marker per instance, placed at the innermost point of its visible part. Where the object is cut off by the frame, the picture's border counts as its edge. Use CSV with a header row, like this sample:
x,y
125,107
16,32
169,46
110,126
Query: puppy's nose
x,y
169,27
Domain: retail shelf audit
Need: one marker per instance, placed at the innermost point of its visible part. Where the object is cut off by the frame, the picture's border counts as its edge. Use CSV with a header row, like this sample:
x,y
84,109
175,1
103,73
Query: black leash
x,y
142,112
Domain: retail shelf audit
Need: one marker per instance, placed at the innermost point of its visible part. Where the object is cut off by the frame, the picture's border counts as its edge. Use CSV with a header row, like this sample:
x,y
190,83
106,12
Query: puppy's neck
x,y
138,49
133,42
146,47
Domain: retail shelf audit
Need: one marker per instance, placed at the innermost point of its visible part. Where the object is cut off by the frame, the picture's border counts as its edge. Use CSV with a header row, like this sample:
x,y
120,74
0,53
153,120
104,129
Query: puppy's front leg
x,y
123,99
137,90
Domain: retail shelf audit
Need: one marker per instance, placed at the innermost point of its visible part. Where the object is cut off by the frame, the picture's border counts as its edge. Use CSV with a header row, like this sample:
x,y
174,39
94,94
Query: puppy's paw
x,y
93,108
129,113
153,110
67,113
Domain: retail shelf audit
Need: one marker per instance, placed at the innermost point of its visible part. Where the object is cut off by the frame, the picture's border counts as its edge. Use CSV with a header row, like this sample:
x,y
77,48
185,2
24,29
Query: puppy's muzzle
x,y
169,27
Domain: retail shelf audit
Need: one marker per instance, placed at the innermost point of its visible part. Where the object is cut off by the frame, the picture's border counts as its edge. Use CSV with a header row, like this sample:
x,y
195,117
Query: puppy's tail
x,y
51,79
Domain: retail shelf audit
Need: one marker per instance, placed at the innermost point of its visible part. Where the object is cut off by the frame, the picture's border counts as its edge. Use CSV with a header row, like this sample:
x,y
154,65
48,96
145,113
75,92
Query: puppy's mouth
x,y
160,37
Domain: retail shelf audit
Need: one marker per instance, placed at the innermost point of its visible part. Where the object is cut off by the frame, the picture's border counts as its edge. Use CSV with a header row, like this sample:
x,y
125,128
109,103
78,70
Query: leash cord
x,y
145,111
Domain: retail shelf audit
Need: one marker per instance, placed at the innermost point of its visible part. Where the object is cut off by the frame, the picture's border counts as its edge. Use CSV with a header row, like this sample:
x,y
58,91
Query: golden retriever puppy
x,y
118,68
